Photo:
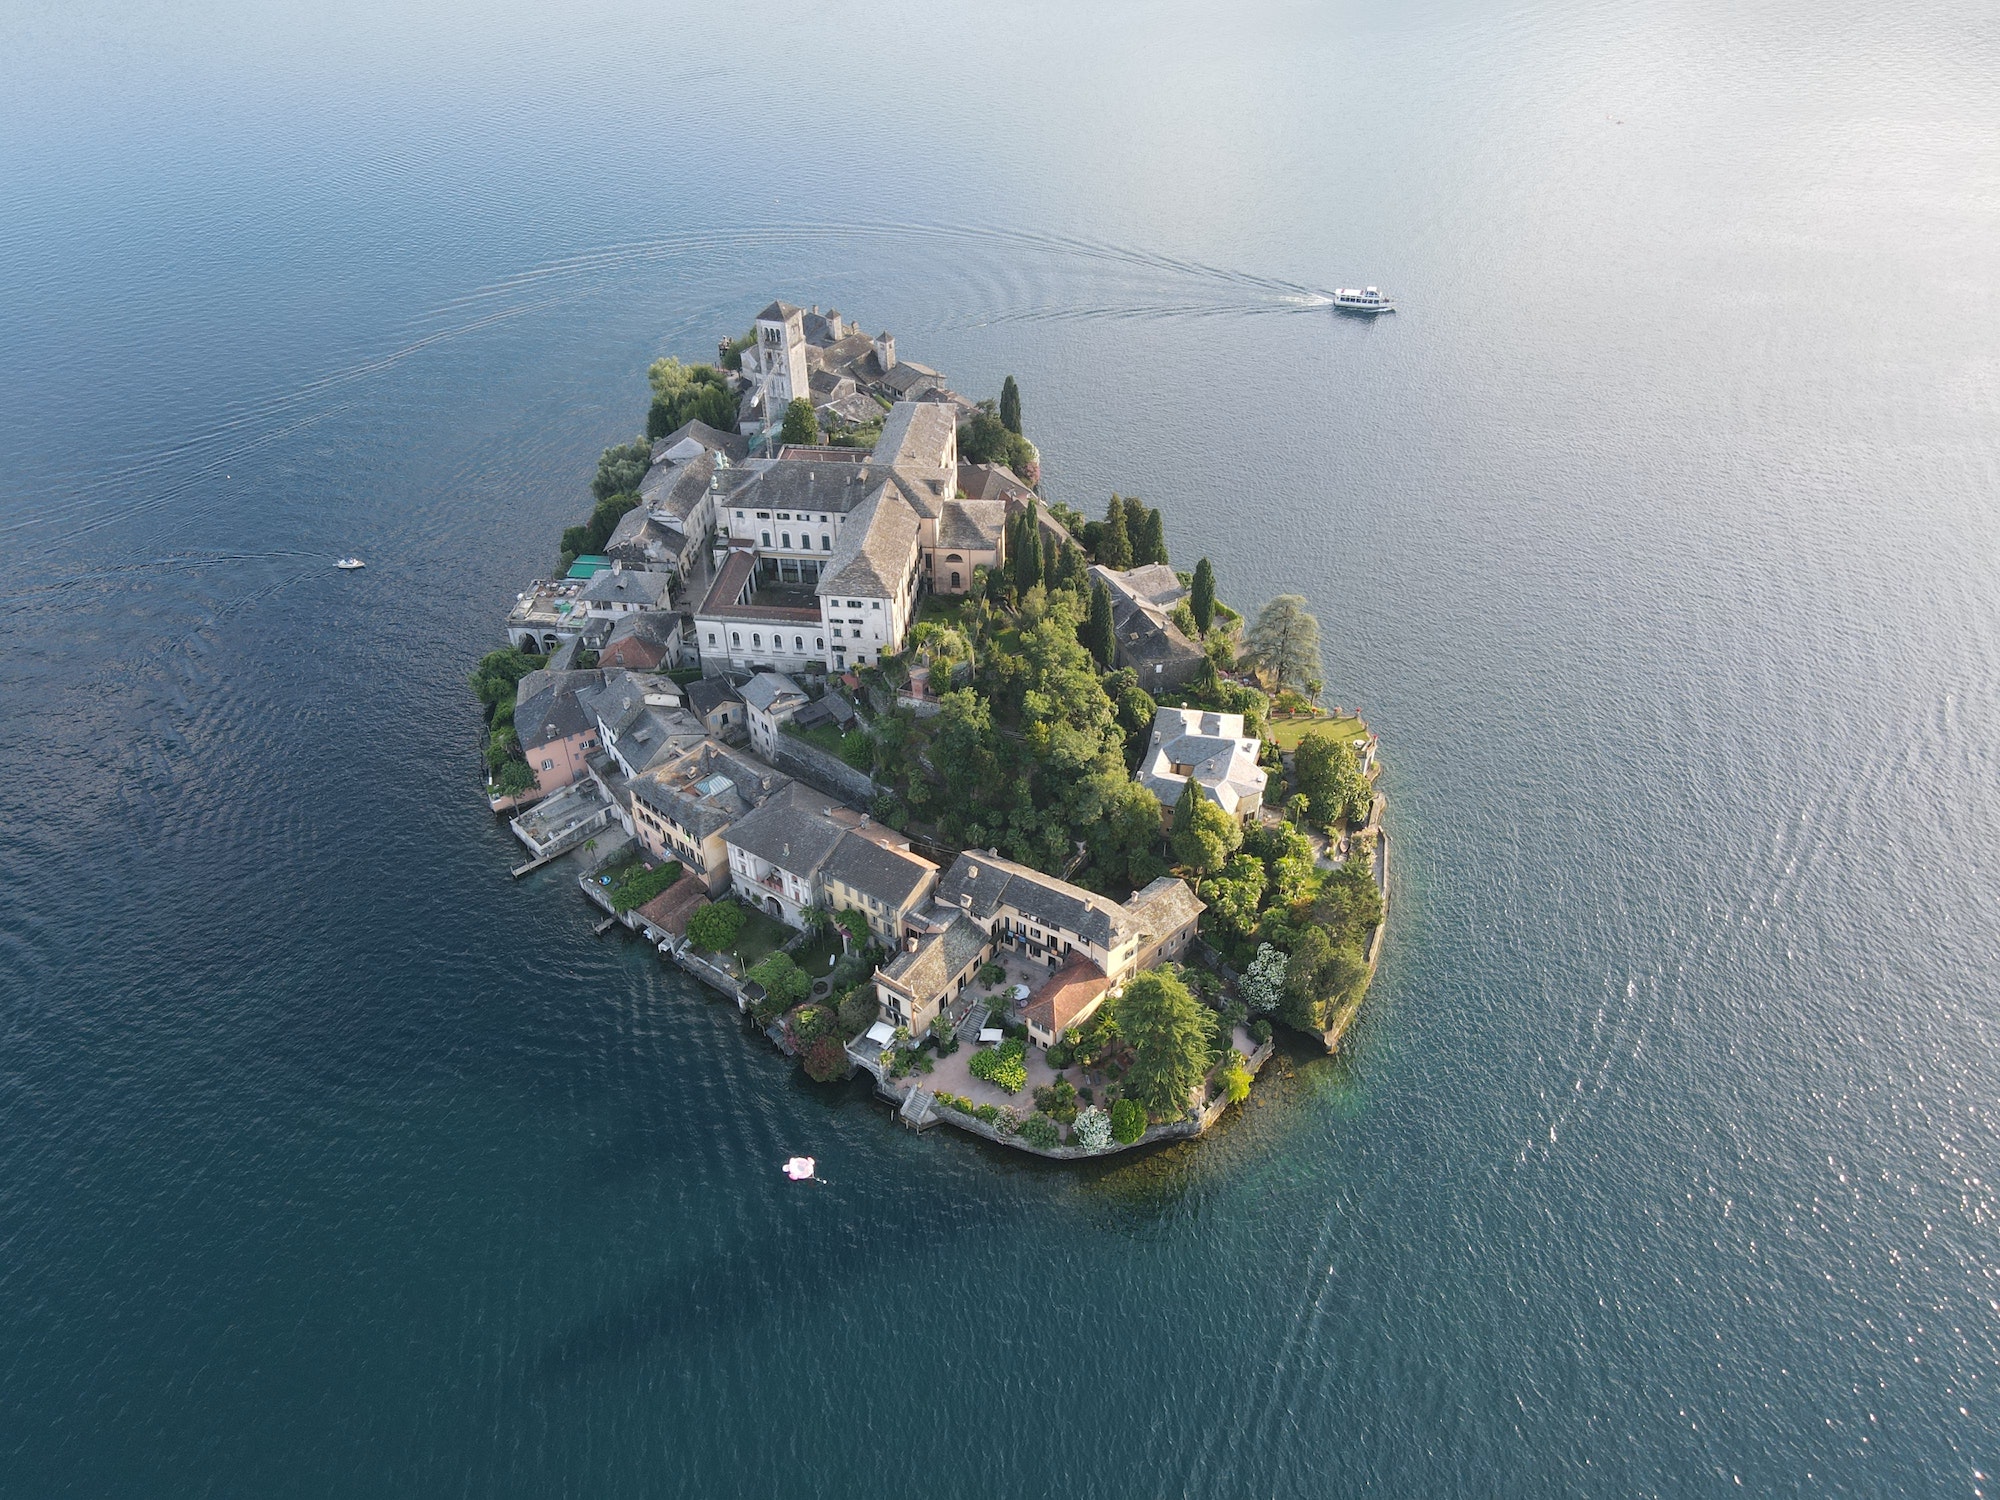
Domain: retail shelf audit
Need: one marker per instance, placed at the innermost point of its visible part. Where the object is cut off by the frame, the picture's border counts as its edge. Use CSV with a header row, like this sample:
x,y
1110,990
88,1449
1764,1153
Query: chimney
x,y
909,945
885,351
835,324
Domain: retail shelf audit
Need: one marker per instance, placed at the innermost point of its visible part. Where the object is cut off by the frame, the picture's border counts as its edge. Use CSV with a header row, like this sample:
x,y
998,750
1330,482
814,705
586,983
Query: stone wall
x,y
822,771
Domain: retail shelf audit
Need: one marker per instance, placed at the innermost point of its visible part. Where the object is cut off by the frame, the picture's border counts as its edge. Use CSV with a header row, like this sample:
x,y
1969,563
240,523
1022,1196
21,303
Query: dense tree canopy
x,y
713,927
688,393
620,468
1325,770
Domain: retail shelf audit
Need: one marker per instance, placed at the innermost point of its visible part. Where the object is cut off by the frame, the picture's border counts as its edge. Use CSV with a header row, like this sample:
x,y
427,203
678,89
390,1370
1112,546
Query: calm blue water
x,y
1657,535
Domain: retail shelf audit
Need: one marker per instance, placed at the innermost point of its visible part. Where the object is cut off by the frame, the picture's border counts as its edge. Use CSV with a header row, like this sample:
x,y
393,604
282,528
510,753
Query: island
x,y
936,779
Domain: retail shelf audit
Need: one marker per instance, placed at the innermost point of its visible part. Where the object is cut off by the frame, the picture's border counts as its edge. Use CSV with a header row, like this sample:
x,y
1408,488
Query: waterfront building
x,y
682,806
1148,641
558,734
1209,749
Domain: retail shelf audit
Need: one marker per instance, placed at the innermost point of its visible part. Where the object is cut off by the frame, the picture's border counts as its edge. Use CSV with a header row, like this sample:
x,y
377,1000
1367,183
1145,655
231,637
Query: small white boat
x,y
349,564
1367,299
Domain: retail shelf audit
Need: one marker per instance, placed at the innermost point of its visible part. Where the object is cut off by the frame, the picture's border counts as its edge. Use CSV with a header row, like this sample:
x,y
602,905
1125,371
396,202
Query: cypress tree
x,y
1203,600
1010,406
1114,545
1097,630
1028,557
1075,573
1148,533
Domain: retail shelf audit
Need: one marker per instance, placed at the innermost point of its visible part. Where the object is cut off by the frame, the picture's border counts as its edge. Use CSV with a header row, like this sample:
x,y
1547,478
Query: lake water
x,y
1656,535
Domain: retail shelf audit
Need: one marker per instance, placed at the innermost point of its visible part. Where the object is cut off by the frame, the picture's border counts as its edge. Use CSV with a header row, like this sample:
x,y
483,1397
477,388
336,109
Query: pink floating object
x,y
799,1168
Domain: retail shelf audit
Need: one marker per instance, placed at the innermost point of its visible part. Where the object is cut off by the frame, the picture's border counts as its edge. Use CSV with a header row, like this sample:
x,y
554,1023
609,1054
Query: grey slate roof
x,y
656,627
939,959
802,486
1165,906
712,438
864,865
789,832
768,688
972,524
873,553
648,590
674,490
705,695
918,434
654,735
993,882
546,706
675,789
777,312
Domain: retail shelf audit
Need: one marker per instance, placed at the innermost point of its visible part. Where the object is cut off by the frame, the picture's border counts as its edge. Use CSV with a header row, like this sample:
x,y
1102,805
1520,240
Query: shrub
x,y
857,1009
1093,1129
811,1022
991,974
1261,1030
714,926
1057,1101
1004,1066
1234,1078
785,983
637,890
1040,1130
1128,1121
990,1113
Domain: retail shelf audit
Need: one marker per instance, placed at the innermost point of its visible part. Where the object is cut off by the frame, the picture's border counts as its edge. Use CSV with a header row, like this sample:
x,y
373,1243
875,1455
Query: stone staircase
x,y
919,1108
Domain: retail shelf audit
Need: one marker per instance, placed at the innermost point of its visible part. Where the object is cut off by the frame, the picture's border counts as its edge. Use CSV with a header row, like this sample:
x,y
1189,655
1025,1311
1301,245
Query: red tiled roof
x,y
1068,994
669,911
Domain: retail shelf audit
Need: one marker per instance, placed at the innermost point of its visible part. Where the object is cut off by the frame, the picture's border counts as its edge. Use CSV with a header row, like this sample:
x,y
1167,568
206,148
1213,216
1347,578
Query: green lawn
x,y
944,608
1288,732
762,935
814,954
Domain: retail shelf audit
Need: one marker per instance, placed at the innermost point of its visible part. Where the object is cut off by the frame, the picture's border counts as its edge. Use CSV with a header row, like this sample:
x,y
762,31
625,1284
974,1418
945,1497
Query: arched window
x,y
735,637
954,578
786,538
757,640
953,557
799,642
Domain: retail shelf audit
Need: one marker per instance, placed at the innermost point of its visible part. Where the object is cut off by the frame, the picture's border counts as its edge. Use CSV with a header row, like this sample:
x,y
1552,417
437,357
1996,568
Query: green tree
x,y
785,983
688,393
620,468
1027,559
1202,597
1204,836
1010,405
1148,534
714,927
1283,646
1114,542
1168,1033
1321,977
857,1010
1128,1121
1235,894
1097,634
499,672
1325,770
1124,842
801,423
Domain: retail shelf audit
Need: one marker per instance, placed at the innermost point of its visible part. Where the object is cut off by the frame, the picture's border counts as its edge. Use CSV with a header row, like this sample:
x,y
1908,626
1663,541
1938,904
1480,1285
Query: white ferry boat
x,y
1365,300
349,564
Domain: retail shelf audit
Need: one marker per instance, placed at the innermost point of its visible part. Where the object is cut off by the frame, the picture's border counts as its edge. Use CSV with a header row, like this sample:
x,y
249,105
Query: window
x,y
825,542
548,765
798,643
763,515
711,638
953,557
784,515
739,515
836,634
787,537
819,643
735,637
854,604
758,640
954,578
767,539
875,604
